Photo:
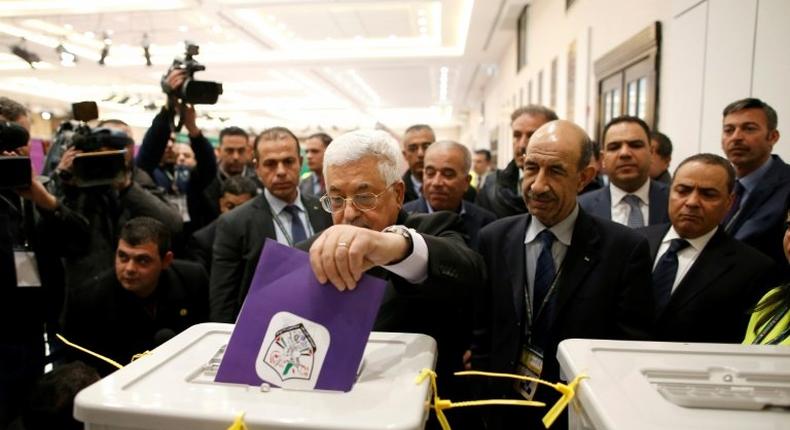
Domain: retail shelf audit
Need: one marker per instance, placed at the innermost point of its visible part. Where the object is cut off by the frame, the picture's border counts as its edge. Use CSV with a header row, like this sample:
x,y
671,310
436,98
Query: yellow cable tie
x,y
87,351
238,423
140,355
568,393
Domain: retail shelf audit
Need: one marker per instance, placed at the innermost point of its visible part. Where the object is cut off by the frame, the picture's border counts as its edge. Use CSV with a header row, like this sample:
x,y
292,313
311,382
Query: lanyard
x,y
527,299
281,227
770,326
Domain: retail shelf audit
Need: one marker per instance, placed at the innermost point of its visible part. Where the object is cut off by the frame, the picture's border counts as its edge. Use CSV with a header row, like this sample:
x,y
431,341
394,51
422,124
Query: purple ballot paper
x,y
296,333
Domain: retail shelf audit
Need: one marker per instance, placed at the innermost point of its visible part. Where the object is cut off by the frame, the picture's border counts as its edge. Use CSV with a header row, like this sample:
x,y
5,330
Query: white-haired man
x,y
430,270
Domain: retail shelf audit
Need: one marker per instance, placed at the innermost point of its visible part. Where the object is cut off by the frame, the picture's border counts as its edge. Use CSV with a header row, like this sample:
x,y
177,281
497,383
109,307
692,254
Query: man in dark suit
x,y
147,299
501,194
446,179
416,141
660,157
236,190
631,198
555,273
704,281
430,270
279,213
748,136
314,147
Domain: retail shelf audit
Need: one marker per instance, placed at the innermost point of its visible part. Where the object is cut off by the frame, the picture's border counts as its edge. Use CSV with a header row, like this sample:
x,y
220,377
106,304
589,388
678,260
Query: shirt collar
x,y
278,205
642,192
563,230
417,183
697,243
461,212
752,179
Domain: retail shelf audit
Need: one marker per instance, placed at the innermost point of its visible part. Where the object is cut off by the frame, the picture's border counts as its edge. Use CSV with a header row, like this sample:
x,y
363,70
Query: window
x,y
553,85
628,78
570,94
521,39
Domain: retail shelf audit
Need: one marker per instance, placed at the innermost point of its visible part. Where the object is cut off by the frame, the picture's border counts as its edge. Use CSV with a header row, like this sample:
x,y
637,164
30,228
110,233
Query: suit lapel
x,y
658,204
315,213
603,204
581,257
514,253
267,226
713,261
770,181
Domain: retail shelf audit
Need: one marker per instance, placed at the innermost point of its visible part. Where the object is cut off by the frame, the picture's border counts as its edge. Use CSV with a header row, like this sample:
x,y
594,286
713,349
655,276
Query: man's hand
x,y
175,78
39,195
343,253
67,160
467,360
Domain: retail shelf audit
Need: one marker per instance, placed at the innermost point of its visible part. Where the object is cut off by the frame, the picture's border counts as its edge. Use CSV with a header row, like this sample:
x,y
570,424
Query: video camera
x,y
15,170
192,91
103,157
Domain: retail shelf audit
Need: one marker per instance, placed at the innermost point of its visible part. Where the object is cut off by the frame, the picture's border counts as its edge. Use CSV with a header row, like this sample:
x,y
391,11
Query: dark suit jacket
x,y
761,220
204,208
474,217
599,203
712,302
499,195
440,306
237,247
665,177
603,292
105,318
306,186
201,244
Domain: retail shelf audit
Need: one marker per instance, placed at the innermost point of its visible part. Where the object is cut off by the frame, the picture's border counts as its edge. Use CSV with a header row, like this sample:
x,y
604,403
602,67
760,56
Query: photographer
x,y
85,226
31,288
183,185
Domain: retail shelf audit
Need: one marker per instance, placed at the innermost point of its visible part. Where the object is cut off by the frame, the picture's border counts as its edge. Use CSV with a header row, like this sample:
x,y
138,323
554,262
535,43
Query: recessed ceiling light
x,y
68,27
183,28
46,116
216,28
89,34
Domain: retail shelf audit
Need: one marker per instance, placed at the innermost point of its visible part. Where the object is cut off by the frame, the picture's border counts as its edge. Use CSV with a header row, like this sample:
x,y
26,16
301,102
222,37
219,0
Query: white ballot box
x,y
174,388
663,385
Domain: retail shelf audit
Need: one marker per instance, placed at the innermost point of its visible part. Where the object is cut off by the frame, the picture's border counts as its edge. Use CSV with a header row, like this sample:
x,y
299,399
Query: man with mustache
x,y
631,198
704,281
281,213
555,273
416,141
757,216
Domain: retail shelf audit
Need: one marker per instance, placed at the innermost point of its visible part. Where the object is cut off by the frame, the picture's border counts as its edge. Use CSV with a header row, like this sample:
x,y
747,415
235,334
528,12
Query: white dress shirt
x,y
686,256
563,231
278,210
413,268
621,210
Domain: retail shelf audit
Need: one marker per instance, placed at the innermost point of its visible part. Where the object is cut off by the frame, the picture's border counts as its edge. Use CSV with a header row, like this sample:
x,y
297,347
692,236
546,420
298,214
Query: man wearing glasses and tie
x,y
431,272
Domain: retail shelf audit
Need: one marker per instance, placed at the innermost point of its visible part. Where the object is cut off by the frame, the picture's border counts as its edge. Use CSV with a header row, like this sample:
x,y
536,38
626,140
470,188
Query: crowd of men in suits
x,y
572,239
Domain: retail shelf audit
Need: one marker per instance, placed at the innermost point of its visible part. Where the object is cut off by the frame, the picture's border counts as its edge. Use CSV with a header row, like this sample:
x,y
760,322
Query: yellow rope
x,y
439,405
238,424
87,351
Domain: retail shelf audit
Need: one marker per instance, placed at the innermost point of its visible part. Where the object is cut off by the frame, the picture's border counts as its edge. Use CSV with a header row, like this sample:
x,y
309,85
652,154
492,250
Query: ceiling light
x,y
89,34
216,28
22,52
68,27
146,49
183,28
421,12
67,58
46,116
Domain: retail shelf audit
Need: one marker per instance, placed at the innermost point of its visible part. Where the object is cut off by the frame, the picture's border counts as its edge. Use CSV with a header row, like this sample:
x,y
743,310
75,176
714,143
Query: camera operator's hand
x,y
67,160
38,194
189,116
175,78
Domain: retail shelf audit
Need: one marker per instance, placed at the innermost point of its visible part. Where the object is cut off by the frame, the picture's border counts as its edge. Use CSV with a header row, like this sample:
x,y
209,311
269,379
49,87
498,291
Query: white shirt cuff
x,y
413,268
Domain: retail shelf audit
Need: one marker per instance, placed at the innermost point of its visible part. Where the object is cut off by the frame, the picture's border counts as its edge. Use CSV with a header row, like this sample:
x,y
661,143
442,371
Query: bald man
x,y
585,277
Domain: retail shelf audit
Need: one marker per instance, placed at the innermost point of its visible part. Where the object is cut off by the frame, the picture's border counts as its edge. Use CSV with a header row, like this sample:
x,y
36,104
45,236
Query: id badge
x,y
180,201
530,364
26,269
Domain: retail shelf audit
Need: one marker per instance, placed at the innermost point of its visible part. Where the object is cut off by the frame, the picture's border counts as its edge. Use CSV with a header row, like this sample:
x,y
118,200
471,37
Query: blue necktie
x,y
635,219
665,273
298,233
544,276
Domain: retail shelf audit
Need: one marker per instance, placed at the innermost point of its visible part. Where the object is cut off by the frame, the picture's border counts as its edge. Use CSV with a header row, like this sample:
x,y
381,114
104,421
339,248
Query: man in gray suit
x,y
312,184
280,213
631,198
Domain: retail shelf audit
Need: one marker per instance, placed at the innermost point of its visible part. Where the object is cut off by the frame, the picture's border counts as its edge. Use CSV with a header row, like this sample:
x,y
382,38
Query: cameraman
x,y
86,224
184,186
31,282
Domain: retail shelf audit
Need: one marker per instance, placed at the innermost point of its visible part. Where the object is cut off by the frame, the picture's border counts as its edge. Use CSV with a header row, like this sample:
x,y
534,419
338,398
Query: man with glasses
x,y
281,213
430,270
501,193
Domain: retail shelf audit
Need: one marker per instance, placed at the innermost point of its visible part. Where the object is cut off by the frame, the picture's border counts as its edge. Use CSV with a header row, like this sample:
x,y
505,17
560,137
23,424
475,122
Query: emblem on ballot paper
x,y
292,351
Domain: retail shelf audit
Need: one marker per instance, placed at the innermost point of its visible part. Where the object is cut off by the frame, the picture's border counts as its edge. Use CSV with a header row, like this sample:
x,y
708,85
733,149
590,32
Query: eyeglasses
x,y
363,201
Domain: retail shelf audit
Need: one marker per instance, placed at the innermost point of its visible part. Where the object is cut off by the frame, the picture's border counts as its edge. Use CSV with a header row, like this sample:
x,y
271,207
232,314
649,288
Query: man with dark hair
x,y
555,273
481,166
416,141
14,111
502,193
145,300
704,281
312,183
598,181
757,215
51,405
660,157
280,213
234,155
236,190
631,198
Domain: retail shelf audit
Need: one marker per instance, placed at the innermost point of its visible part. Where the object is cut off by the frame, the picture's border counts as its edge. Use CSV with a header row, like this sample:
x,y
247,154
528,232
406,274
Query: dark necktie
x,y
736,205
665,273
544,276
298,233
635,218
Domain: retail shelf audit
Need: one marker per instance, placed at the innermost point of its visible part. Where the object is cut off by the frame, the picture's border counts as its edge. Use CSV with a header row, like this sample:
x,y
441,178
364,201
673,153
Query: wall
x,y
712,52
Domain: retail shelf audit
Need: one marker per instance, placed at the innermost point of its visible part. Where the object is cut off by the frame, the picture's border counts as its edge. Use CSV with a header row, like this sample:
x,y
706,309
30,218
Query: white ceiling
x,y
305,64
